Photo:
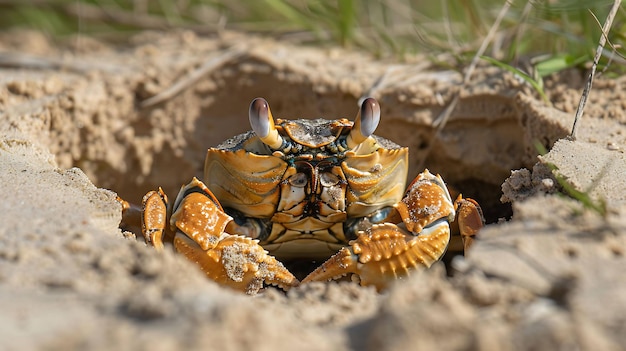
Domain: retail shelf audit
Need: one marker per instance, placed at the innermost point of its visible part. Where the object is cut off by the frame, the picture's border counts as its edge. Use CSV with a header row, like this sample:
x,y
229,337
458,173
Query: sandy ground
x,y
547,273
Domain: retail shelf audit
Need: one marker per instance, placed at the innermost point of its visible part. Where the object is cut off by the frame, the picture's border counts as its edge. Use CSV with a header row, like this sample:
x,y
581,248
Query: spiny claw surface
x,y
385,253
237,262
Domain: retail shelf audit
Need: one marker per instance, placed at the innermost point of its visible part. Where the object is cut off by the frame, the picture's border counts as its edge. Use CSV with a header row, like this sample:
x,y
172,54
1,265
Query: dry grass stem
x,y
441,121
193,77
583,99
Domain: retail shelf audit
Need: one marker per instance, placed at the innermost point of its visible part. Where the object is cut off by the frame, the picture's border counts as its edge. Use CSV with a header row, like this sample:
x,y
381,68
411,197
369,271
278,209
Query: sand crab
x,y
320,190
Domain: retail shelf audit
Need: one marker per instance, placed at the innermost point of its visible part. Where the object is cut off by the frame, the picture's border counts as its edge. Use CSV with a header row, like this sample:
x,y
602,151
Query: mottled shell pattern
x,y
306,187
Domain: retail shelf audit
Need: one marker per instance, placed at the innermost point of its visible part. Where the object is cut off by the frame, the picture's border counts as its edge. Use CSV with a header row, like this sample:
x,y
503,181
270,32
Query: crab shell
x,y
306,190
309,190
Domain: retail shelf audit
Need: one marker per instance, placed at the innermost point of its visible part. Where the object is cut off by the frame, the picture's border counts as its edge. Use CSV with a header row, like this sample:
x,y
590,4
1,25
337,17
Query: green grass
x,y
536,80
562,33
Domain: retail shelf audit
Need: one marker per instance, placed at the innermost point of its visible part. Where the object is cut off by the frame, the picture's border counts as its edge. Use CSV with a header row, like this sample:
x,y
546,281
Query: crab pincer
x,y
198,225
387,252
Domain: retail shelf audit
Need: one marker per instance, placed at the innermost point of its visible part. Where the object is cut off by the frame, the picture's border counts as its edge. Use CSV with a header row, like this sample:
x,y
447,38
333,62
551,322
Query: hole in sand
x,y
474,154
227,117
134,149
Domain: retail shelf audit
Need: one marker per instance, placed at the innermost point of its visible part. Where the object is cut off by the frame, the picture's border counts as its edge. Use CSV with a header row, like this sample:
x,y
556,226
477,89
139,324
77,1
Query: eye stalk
x,y
365,123
262,123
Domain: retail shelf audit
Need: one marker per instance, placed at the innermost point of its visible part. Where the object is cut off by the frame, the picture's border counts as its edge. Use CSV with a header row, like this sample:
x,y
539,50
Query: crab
x,y
315,190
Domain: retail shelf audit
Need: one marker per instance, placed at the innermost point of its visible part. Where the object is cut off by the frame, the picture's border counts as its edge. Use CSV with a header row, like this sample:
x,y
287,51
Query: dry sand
x,y
549,277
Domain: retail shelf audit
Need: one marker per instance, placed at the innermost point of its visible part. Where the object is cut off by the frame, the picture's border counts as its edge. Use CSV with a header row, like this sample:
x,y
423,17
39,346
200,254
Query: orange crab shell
x,y
246,175
303,189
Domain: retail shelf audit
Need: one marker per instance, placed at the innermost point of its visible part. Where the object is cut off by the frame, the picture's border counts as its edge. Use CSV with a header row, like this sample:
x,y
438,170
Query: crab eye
x,y
365,123
259,117
298,180
262,123
370,116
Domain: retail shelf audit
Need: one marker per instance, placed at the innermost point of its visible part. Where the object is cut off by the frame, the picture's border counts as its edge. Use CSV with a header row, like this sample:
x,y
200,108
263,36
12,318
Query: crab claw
x,y
237,262
197,229
231,260
385,253
427,200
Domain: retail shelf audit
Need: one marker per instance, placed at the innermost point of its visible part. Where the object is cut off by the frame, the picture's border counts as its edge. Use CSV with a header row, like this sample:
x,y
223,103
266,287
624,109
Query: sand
x,y
77,128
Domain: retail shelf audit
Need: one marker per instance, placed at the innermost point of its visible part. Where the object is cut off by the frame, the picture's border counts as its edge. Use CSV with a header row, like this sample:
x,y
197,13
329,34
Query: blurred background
x,y
547,35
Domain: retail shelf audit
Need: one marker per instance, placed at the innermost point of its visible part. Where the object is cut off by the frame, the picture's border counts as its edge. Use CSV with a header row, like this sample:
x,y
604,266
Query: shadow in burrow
x,y
474,153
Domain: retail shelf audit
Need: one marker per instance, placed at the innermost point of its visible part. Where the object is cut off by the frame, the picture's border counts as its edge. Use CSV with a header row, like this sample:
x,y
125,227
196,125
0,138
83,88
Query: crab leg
x,y
153,218
469,218
199,224
386,252
131,216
